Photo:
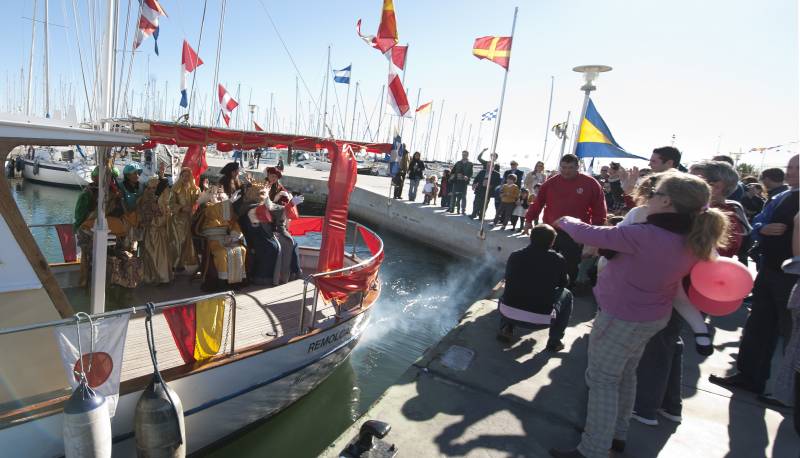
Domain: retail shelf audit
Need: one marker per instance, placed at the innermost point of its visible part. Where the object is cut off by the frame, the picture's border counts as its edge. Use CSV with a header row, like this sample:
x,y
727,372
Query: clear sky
x,y
718,74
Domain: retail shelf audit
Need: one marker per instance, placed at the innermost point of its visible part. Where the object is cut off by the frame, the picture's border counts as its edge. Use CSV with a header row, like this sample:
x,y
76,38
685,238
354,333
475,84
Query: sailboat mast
x,y
30,61
355,103
46,61
549,110
327,78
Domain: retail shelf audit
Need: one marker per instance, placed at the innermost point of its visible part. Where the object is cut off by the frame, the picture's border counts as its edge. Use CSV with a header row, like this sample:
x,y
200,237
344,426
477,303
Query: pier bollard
x,y
369,443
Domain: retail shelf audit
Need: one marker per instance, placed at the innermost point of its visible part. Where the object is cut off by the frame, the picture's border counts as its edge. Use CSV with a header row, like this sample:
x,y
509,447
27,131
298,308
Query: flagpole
x,y
482,233
355,104
346,103
549,110
414,125
430,128
478,140
438,129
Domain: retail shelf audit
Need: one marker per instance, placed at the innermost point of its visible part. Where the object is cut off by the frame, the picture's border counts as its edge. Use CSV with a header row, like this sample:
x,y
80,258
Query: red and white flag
x,y
102,345
226,104
397,95
189,62
425,108
257,127
397,55
148,22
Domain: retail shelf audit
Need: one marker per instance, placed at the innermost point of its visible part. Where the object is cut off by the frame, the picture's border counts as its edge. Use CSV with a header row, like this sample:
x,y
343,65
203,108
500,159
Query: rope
x,y
199,42
151,346
220,35
124,46
78,317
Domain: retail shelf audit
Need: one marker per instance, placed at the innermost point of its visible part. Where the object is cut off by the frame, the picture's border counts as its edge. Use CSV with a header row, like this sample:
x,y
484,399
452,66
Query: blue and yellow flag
x,y
595,140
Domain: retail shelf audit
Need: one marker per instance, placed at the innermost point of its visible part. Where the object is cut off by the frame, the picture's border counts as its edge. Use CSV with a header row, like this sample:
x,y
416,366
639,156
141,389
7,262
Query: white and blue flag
x,y
343,75
489,115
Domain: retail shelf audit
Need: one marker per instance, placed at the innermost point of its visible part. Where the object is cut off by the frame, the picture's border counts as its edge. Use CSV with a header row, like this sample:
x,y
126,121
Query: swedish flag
x,y
595,140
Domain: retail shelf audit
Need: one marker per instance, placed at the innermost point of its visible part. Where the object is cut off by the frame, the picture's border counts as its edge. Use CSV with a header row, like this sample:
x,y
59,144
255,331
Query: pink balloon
x,y
710,306
723,279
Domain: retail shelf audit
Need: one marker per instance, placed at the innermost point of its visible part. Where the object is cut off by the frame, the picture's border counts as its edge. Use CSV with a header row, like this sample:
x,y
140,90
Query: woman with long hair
x,y
182,203
634,294
535,176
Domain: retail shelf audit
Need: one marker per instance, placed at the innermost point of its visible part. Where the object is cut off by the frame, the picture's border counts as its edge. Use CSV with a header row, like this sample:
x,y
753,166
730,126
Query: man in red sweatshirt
x,y
570,193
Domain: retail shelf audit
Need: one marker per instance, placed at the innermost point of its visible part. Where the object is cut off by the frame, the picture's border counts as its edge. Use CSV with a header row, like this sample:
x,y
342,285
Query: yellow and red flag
x,y
387,30
496,49
425,107
197,328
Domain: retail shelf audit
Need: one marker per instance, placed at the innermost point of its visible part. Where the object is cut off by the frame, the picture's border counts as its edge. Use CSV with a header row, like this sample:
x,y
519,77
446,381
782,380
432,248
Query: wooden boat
x,y
280,342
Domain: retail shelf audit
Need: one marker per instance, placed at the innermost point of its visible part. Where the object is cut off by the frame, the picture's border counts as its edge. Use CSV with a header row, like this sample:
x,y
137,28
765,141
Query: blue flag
x,y
343,75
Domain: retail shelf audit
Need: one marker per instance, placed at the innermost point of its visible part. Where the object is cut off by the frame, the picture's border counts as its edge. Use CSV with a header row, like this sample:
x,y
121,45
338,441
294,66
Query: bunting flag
x,y
148,22
387,30
257,127
195,159
102,357
197,328
397,56
343,75
496,49
189,62
397,95
595,139
425,108
226,103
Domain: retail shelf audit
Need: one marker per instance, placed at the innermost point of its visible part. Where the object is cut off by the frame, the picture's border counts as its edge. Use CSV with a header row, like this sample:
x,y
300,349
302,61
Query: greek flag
x,y
343,75
489,115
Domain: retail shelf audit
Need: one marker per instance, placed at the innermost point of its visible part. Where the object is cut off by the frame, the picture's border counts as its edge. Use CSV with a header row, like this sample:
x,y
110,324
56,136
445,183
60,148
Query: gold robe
x,y
224,238
154,218
181,204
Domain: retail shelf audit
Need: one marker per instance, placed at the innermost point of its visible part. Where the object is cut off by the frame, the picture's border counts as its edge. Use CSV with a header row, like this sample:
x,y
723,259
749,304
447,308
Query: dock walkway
x,y
520,401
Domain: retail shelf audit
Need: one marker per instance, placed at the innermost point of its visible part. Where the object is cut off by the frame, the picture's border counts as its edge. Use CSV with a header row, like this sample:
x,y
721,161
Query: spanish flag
x,y
496,49
595,139
197,328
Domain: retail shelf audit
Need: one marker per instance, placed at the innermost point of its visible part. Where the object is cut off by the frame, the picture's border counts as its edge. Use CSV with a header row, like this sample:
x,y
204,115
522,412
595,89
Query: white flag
x,y
103,367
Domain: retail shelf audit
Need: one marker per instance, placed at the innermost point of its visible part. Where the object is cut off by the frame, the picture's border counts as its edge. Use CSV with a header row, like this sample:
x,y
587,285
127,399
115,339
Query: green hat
x,y
114,172
133,167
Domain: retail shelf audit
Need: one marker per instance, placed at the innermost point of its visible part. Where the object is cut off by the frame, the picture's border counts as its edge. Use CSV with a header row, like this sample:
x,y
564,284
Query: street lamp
x,y
590,73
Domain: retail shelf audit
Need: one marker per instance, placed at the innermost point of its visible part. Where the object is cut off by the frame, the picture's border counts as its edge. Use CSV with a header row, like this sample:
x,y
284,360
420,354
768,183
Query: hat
x,y
273,170
229,167
133,167
114,172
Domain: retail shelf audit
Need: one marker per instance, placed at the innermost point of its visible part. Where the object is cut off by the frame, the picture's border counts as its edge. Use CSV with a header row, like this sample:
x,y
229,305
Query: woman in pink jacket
x,y
634,294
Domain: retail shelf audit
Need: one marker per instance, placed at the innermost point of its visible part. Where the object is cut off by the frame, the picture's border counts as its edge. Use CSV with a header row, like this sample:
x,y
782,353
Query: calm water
x,y
424,292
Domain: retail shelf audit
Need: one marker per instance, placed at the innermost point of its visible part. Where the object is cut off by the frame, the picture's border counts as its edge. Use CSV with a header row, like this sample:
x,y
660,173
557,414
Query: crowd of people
x,y
642,231
226,234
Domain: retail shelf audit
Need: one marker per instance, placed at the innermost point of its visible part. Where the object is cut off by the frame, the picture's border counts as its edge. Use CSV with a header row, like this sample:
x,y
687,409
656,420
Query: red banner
x,y
195,159
341,181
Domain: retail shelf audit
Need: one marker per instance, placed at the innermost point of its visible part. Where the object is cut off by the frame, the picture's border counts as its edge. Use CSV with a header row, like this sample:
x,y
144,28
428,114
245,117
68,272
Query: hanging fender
x,y
87,424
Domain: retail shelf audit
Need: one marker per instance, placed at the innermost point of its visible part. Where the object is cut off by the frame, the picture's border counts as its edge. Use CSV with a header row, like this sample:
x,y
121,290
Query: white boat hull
x,y
57,174
219,401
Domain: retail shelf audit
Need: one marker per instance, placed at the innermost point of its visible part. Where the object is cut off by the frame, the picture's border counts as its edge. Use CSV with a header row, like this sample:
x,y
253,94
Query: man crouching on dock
x,y
535,295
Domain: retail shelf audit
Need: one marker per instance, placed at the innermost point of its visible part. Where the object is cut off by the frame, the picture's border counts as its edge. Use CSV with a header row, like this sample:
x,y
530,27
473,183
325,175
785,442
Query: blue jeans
x,y
412,189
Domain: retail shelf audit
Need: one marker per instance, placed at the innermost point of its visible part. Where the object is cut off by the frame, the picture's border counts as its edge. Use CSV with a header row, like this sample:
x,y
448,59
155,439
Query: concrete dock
x,y
470,395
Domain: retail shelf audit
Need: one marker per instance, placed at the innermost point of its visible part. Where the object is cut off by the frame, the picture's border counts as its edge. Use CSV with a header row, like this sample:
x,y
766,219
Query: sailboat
x,y
278,343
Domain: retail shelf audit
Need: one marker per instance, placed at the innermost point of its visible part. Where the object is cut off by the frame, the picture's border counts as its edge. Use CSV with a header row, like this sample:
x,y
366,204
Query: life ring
x,y
36,167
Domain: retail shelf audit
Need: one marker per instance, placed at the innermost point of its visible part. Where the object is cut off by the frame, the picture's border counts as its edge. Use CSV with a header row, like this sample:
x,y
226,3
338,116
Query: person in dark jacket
x,y
479,186
415,174
515,171
459,178
536,280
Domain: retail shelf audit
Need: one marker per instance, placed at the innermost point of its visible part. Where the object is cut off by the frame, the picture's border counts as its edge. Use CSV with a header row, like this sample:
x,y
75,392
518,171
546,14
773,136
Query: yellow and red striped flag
x,y
496,49
425,108
197,328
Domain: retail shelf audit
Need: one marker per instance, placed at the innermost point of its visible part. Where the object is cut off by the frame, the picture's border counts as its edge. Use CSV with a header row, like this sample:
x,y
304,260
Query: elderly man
x,y
769,317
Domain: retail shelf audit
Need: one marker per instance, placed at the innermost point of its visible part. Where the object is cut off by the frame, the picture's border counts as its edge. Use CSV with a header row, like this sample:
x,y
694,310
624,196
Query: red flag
x,y
398,95
398,56
257,127
195,159
387,30
496,49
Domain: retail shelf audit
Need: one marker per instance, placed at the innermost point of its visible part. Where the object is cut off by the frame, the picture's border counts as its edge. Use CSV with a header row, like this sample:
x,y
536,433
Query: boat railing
x,y
158,307
312,279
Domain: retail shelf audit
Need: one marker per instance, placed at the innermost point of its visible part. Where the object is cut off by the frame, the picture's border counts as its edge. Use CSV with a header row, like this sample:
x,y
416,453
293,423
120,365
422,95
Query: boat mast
x,y
46,63
549,110
30,61
325,108
106,86
355,102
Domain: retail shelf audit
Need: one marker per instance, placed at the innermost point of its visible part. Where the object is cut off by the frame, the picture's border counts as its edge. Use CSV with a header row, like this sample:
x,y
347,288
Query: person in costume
x,y
224,248
85,215
230,178
182,202
274,175
154,214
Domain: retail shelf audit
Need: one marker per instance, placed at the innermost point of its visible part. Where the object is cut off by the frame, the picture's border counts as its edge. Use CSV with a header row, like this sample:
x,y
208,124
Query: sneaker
x,y
669,416
644,420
